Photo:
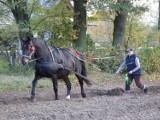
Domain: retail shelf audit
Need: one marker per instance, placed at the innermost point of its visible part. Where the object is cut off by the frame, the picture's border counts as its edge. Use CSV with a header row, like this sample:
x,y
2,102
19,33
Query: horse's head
x,y
28,49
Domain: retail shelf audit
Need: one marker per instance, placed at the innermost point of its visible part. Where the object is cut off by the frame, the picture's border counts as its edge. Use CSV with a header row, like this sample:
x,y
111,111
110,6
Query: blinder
x,y
31,47
31,50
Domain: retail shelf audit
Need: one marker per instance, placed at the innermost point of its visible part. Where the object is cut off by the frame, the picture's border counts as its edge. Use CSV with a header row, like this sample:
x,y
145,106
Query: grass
x,y
15,79
10,82
21,82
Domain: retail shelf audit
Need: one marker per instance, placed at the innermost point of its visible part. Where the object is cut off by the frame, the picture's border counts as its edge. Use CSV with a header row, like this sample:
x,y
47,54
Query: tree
x,y
159,20
159,16
136,33
19,9
8,43
119,25
120,9
80,24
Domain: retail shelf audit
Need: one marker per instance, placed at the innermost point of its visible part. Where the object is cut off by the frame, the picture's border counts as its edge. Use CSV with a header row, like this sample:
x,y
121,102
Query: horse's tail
x,y
84,73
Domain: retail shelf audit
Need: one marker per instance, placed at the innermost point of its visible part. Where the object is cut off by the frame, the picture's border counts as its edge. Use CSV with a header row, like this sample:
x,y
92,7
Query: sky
x,y
150,17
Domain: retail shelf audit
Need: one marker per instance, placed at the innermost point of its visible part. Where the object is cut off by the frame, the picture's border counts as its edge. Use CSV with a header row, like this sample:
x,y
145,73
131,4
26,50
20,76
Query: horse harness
x,y
32,50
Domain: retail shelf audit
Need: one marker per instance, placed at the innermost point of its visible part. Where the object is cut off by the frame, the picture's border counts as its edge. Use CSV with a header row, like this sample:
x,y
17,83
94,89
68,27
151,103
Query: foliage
x,y
90,44
127,7
136,33
106,59
108,65
8,39
150,59
19,69
56,19
106,8
8,34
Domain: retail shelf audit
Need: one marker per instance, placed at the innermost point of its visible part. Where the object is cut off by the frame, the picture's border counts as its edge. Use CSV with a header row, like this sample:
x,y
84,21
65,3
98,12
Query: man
x,y
133,69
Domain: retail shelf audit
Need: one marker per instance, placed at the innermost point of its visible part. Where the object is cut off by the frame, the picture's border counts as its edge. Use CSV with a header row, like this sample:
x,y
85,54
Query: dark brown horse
x,y
55,63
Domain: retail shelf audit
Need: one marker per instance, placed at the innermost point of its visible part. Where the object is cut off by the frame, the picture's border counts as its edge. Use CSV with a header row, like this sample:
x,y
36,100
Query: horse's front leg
x,y
55,86
34,82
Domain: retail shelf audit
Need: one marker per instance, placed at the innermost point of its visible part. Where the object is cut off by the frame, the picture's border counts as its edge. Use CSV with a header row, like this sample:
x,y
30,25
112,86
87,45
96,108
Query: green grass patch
x,y
8,82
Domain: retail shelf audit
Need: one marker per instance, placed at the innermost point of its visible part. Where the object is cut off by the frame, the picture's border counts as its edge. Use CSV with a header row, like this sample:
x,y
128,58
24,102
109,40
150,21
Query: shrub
x,y
150,60
108,65
18,69
108,60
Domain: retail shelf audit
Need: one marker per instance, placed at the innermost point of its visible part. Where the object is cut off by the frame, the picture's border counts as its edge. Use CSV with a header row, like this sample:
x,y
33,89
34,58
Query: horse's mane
x,y
39,43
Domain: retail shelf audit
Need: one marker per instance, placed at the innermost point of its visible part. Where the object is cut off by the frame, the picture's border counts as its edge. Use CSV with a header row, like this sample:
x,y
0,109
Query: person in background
x,y
134,70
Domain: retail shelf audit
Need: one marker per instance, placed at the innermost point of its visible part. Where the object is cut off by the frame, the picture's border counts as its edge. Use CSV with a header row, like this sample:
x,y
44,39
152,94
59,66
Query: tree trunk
x,y
159,22
119,30
21,15
80,24
126,43
159,16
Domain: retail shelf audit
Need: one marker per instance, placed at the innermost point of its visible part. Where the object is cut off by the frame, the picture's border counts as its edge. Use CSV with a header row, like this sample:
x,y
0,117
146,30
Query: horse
x,y
54,63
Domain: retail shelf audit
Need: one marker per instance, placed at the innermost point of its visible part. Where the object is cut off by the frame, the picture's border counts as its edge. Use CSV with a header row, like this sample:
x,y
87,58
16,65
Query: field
x,y
105,100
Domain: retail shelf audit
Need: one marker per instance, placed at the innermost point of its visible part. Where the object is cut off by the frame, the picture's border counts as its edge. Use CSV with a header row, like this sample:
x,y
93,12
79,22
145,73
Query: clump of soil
x,y
112,92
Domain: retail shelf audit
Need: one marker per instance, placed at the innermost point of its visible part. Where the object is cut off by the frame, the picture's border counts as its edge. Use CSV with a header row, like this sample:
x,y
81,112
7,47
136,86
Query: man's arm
x,y
123,64
137,65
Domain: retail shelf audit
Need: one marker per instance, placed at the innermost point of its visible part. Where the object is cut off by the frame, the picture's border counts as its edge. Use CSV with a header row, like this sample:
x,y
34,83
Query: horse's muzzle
x,y
25,60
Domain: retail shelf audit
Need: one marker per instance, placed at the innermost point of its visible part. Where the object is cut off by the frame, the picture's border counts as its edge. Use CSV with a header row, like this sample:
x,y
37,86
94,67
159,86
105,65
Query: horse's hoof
x,y
84,95
68,97
56,98
89,84
32,99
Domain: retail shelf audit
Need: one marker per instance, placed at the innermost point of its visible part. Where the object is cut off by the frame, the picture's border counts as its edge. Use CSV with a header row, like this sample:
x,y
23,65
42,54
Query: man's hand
x,y
116,72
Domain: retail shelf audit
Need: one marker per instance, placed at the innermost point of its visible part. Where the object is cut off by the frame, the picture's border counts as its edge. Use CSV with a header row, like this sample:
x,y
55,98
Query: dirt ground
x,y
105,101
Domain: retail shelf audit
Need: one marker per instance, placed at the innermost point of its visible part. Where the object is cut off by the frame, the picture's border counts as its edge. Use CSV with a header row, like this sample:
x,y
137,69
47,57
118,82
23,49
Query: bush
x,y
108,65
150,59
108,61
90,43
19,69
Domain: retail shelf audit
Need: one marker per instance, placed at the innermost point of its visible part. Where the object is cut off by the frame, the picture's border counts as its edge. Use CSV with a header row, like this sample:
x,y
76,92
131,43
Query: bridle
x,y
32,50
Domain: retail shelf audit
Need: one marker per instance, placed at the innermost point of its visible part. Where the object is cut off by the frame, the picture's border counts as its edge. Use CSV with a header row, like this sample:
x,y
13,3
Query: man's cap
x,y
129,50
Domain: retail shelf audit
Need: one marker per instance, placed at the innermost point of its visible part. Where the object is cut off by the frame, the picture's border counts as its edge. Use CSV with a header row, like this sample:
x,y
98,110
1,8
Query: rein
x,y
32,60
30,56
50,51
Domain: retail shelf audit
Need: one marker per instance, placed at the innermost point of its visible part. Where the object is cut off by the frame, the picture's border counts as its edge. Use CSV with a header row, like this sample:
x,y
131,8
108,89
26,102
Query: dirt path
x,y
99,105
106,101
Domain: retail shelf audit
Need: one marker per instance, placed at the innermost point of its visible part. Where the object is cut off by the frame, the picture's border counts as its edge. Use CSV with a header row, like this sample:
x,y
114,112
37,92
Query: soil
x,y
105,101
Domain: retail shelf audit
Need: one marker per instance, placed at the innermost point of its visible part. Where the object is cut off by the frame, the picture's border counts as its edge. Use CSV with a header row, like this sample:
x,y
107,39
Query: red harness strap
x,y
77,52
31,49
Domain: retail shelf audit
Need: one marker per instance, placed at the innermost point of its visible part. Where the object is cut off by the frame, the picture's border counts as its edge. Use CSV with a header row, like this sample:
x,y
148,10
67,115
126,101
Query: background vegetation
x,y
99,35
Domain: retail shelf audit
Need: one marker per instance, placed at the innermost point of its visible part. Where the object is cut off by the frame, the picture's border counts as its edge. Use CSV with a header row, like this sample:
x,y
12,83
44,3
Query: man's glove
x,y
116,73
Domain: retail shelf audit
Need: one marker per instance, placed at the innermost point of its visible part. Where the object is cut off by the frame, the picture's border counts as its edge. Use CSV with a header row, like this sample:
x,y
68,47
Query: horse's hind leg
x,y
55,86
80,79
68,84
34,82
